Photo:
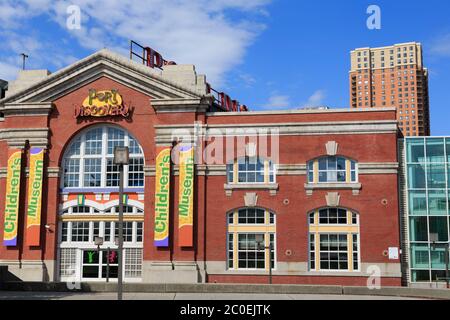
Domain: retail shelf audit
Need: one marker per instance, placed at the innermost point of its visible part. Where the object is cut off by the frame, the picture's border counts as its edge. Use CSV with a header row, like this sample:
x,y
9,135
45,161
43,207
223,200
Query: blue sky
x,y
268,54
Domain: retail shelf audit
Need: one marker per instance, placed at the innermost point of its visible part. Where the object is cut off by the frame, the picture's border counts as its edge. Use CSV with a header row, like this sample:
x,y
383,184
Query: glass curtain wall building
x,y
427,206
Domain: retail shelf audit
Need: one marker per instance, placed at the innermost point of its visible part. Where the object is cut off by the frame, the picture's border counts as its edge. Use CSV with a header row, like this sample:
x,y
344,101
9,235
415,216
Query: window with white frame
x,y
133,262
88,210
243,250
68,262
88,161
251,170
86,231
336,249
332,169
333,252
79,231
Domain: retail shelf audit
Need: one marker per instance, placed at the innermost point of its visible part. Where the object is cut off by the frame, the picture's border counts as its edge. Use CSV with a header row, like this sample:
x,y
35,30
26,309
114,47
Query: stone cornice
x,y
26,109
291,169
355,187
16,137
103,63
181,105
378,168
3,173
296,111
271,187
314,128
52,172
287,170
200,170
166,134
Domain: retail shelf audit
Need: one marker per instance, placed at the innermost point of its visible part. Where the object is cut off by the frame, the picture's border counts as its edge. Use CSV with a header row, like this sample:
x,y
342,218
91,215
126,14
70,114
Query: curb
x,y
229,288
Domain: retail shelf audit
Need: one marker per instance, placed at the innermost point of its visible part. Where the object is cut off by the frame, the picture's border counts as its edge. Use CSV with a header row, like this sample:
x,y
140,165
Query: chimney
x,y
3,88
186,76
25,79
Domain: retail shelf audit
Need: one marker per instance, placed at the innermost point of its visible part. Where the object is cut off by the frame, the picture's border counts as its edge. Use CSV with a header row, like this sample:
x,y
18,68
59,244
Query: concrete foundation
x,y
28,270
172,272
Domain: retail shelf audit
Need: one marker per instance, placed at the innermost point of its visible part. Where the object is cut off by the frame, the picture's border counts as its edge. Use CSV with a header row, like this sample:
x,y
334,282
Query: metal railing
x,y
153,59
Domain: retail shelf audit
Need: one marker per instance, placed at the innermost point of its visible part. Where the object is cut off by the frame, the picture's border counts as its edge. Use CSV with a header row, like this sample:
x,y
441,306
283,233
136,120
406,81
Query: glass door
x,y
95,264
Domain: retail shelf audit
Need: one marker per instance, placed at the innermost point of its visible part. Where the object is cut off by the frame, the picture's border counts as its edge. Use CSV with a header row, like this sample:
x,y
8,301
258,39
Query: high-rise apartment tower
x,y
393,76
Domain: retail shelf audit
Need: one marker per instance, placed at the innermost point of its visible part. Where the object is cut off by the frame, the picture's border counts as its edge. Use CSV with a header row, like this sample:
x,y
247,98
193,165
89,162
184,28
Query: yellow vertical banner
x,y
162,197
186,197
12,198
34,202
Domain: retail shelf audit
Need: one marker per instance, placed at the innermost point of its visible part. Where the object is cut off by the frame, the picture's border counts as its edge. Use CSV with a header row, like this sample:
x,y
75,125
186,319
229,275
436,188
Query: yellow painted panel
x,y
267,251
348,176
235,251
266,171
102,218
252,229
267,217
349,217
335,229
235,172
350,252
316,171
317,251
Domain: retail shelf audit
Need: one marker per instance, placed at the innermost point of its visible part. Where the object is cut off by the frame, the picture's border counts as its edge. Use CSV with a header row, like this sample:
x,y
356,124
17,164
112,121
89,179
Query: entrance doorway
x,y
98,264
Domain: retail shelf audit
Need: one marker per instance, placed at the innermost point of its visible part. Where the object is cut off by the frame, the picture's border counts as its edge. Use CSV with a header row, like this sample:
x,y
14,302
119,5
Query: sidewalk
x,y
14,295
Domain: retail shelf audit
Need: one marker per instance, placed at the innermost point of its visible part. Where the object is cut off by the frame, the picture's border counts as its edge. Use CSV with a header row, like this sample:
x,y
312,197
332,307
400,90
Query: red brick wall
x,y
379,223
317,280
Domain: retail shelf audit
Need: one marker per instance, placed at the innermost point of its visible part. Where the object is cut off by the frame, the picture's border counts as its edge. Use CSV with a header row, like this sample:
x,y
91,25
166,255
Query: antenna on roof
x,y
24,56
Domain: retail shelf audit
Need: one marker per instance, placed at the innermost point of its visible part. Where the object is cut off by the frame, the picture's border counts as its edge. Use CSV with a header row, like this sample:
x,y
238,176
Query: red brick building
x,y
311,195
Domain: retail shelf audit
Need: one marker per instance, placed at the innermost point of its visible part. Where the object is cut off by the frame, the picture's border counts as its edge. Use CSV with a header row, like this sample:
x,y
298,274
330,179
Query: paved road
x,y
6,295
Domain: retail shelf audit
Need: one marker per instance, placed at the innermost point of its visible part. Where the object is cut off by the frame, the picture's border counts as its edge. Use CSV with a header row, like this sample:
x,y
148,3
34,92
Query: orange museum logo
x,y
105,103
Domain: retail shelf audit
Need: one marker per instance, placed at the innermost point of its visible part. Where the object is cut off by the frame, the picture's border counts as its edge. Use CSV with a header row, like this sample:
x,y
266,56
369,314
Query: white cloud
x,y
277,101
316,99
200,32
441,46
247,79
8,71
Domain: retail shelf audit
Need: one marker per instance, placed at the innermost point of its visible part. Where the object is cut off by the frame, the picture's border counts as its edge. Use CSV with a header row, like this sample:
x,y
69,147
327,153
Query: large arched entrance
x,y
89,207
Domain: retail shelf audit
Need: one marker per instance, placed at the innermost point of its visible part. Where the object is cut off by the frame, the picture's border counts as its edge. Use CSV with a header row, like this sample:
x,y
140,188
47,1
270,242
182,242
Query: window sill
x,y
272,187
355,187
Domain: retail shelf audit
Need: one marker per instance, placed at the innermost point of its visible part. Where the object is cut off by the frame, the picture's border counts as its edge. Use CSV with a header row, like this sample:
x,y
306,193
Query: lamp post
x,y
121,159
434,238
261,246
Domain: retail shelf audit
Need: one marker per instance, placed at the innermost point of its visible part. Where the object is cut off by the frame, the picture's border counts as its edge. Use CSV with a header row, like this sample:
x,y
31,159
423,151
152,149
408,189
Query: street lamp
x,y
98,241
121,159
434,238
260,243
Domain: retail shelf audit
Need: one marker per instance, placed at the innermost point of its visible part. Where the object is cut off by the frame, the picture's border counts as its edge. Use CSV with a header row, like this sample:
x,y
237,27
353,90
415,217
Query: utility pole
x,y
24,56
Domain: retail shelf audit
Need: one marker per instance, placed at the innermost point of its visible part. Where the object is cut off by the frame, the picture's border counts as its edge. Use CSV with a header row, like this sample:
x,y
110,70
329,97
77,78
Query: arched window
x,y
88,161
334,240
332,169
251,170
251,235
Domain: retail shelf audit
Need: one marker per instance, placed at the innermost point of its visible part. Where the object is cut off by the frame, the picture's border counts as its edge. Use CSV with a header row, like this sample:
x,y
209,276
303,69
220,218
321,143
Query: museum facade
x,y
213,192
